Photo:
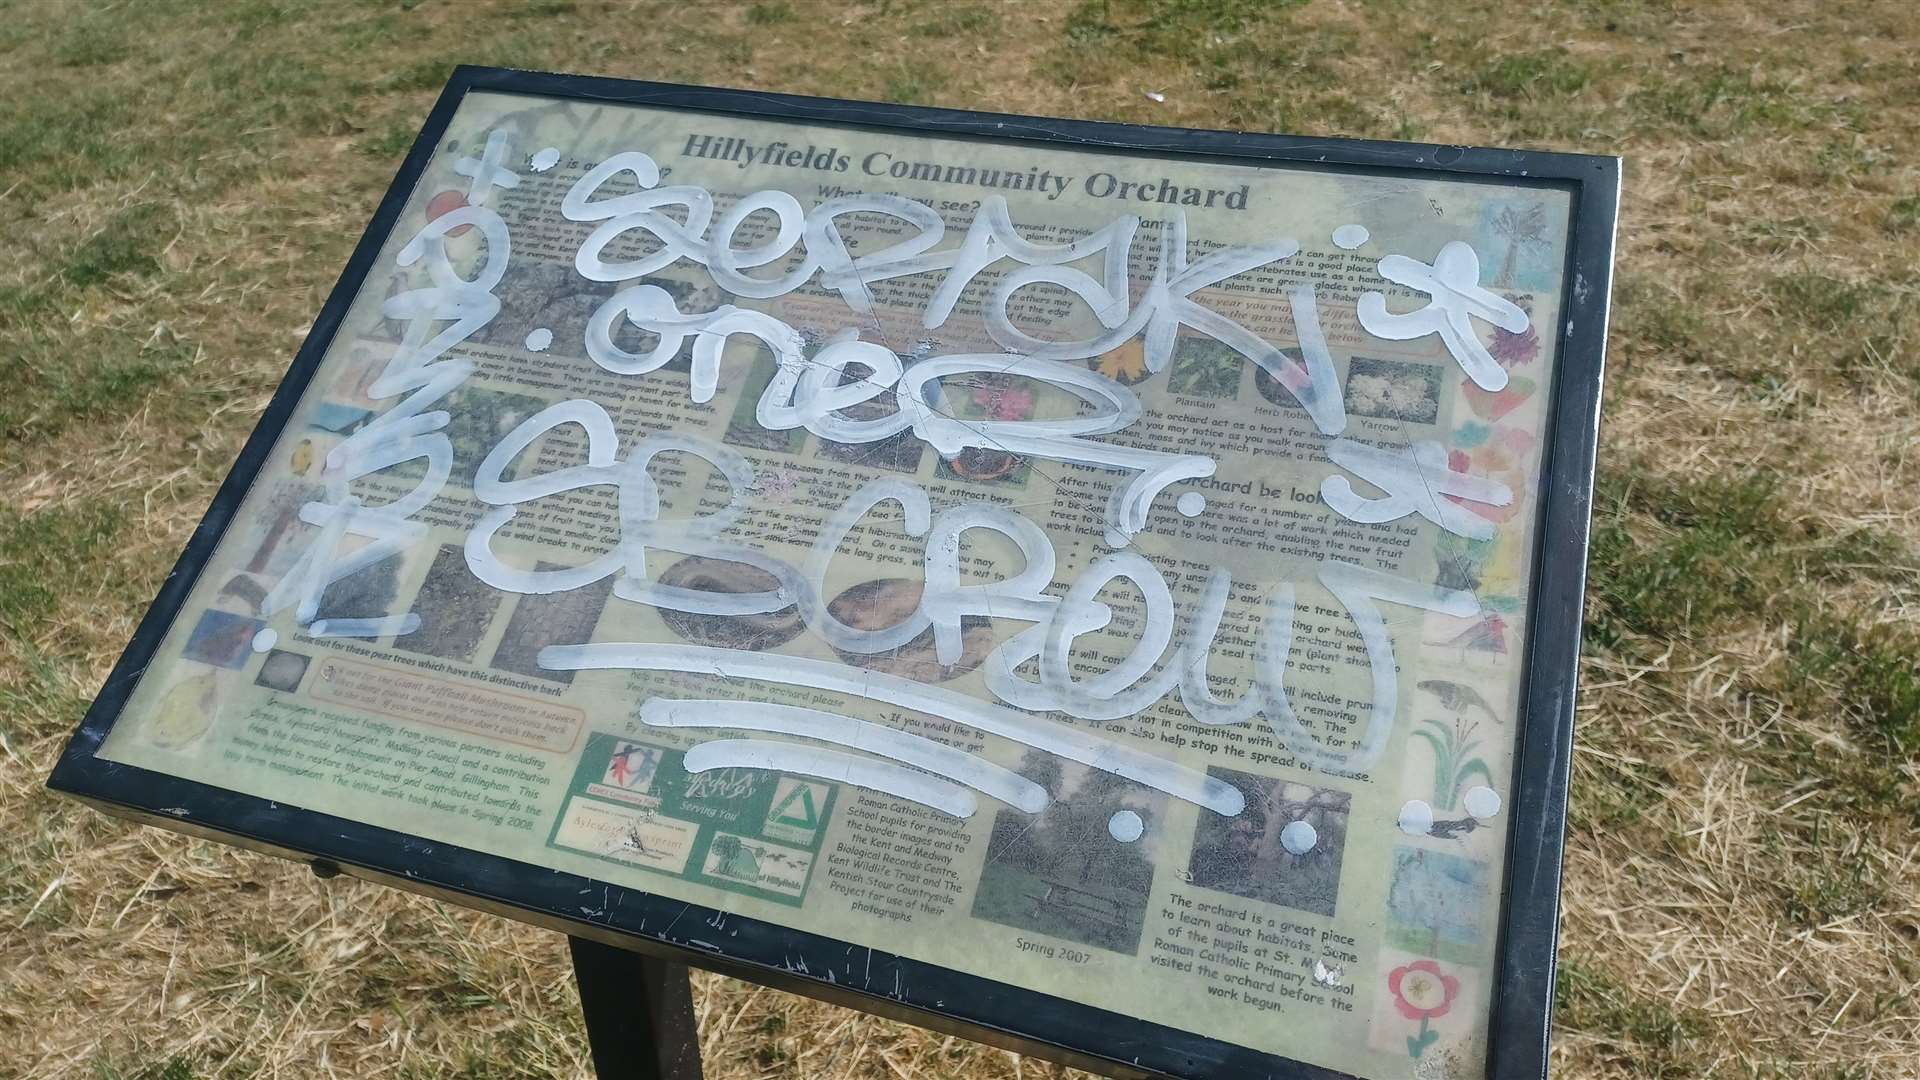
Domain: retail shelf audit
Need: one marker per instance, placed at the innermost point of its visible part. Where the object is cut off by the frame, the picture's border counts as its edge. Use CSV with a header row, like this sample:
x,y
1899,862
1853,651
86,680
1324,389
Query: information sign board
x,y
1105,590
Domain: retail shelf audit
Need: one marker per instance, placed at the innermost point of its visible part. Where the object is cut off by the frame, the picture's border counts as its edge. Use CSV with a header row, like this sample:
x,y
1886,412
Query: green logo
x,y
803,817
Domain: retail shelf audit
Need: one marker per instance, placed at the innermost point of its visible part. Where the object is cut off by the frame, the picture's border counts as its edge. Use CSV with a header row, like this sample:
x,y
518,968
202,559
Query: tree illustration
x,y
1523,227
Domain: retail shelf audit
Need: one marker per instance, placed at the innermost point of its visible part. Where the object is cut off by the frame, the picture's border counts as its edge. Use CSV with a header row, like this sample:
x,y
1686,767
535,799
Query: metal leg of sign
x,y
639,1014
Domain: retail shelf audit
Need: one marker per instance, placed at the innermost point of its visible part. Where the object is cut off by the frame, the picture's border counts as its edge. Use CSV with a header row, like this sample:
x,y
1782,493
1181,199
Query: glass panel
x,y
1105,574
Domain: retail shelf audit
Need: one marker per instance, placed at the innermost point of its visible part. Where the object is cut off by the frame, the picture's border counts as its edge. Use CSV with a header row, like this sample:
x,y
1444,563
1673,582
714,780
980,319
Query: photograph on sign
x,y
1105,574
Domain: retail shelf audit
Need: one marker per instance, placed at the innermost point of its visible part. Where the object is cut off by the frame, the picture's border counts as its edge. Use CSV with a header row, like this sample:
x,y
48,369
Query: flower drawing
x,y
1002,403
1421,991
1126,364
1499,460
1509,350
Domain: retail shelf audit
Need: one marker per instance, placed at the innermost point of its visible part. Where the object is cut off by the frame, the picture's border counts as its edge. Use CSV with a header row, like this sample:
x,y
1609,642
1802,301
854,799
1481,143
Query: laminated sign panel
x,y
1109,591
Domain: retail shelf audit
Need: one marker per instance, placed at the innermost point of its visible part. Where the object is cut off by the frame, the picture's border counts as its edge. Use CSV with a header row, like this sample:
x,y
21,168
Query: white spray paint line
x,y
1359,590
1416,818
1084,747
1079,614
946,602
1115,408
1414,480
1299,837
1165,306
1124,690
1453,281
950,799
575,205
1264,688
728,264
639,513
915,510
1156,630
826,249
385,626
407,431
310,577
905,747
822,398
1321,396
676,240
1482,803
488,172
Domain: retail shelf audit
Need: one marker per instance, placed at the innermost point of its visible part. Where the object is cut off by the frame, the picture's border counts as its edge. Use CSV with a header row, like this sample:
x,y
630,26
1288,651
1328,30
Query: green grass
x,y
1648,1036
913,84
1904,214
1698,559
1683,561
95,41
961,20
126,244
1870,674
1550,75
770,12
1832,886
1721,101
45,554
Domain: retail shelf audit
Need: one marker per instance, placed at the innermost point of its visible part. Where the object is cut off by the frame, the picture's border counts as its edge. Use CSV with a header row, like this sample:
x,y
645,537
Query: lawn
x,y
181,183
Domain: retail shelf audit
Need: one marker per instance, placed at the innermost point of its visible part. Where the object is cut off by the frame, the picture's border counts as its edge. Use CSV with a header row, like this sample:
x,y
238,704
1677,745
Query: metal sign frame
x,y
952,1002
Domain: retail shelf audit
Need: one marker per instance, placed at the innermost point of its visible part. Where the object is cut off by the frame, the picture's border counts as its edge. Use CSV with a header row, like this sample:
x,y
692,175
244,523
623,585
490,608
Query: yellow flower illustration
x,y
1126,364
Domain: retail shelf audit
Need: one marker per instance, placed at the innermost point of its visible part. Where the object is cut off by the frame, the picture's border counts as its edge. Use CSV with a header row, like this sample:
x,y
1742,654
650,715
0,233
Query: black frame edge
x,y
1520,1032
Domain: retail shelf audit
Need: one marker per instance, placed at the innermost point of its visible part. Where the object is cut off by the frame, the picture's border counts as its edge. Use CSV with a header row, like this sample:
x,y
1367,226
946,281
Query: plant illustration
x,y
1452,765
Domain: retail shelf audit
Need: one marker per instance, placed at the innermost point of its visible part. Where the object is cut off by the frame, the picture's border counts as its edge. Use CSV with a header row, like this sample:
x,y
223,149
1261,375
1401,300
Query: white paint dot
x,y
1192,504
1349,237
1482,802
1416,818
265,639
546,159
1126,826
539,340
1298,837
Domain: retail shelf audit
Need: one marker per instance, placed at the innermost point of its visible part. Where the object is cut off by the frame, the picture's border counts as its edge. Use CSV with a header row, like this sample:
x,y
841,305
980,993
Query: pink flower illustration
x,y
1421,991
1511,350
1001,403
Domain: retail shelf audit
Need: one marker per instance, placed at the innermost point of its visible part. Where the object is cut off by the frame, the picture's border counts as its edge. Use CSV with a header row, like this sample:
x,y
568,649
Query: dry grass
x,y
178,187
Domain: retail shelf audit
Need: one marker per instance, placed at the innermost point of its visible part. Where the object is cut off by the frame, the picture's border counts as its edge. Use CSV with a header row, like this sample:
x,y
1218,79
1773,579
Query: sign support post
x,y
639,1013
